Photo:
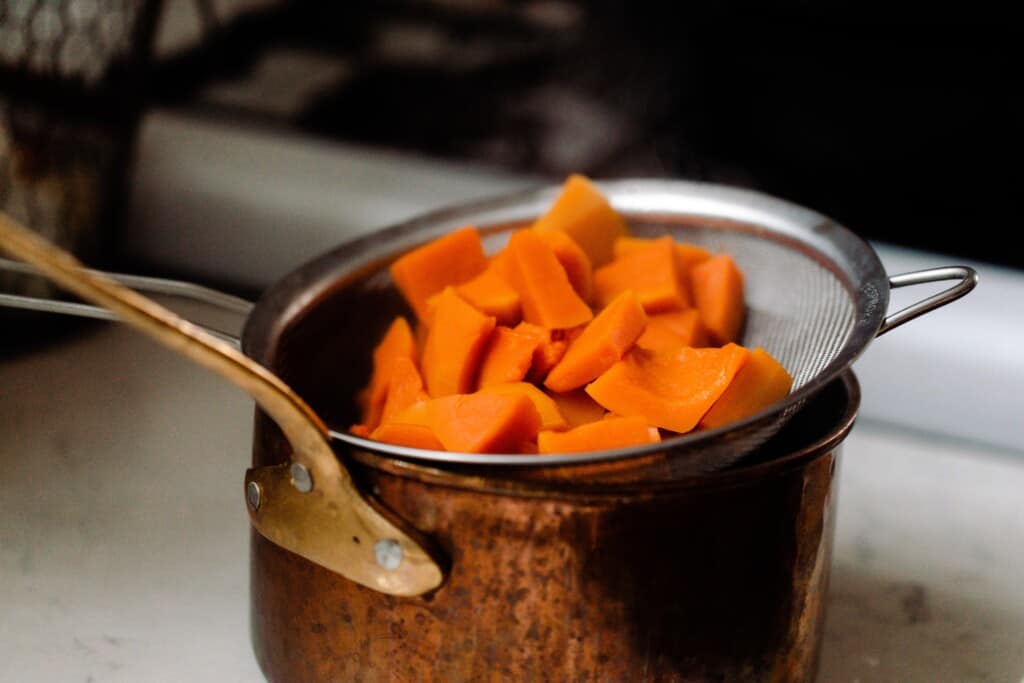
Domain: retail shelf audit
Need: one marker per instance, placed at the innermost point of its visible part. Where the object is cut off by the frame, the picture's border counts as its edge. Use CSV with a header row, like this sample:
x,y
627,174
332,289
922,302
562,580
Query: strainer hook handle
x,y
965,276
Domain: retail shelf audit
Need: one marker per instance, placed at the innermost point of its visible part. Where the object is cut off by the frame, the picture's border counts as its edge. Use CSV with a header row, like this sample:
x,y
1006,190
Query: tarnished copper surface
x,y
717,579
723,584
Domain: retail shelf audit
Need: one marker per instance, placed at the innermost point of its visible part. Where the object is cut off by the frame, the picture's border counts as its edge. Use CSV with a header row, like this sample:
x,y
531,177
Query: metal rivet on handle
x,y
253,495
388,552
301,478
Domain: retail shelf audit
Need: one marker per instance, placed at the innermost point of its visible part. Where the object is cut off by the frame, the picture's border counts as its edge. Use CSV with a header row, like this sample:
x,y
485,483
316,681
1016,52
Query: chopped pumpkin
x,y
573,259
491,294
573,337
453,259
398,342
651,272
673,389
583,213
601,344
687,255
405,389
718,295
550,416
577,407
548,297
546,357
509,355
760,382
454,346
616,432
483,422
671,330
410,435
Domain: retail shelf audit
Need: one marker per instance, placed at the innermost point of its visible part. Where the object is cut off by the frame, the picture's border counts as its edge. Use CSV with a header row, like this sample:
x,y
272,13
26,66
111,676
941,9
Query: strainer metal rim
x,y
833,246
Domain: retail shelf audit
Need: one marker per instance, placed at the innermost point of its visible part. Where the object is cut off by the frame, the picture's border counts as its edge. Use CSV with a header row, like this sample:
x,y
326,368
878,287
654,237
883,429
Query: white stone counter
x,y
124,539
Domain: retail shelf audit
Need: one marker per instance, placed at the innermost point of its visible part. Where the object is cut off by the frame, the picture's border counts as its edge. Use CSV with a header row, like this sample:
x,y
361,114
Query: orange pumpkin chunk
x,y
548,298
600,345
360,430
411,435
658,338
455,344
406,388
509,356
718,295
483,422
584,214
651,272
577,407
616,432
687,255
489,293
550,416
760,382
452,259
672,390
672,330
546,357
573,259
397,342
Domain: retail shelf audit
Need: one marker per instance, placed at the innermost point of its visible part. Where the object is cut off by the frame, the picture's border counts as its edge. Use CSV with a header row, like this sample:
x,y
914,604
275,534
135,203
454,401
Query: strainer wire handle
x,y
966,276
176,288
157,285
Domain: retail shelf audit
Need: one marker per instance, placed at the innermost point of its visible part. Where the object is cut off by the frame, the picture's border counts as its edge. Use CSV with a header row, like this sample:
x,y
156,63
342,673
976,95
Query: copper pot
x,y
607,571
718,577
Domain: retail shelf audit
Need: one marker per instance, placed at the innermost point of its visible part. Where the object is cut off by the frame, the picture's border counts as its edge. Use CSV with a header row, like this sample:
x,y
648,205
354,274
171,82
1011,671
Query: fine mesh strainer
x,y
816,295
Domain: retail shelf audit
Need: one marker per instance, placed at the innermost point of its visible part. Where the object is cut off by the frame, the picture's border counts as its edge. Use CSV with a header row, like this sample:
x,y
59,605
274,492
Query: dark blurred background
x,y
903,125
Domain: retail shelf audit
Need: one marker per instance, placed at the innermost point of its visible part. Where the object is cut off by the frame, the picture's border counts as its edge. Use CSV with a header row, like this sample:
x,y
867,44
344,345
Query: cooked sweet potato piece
x,y
583,213
546,357
672,390
411,435
573,259
718,295
550,416
659,338
455,344
687,255
651,272
405,388
452,259
577,407
509,354
548,298
672,330
490,294
483,422
397,342
601,344
760,382
360,430
616,432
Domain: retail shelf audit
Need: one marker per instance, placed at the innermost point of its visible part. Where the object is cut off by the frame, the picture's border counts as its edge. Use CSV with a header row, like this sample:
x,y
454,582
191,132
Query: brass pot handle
x,y
309,506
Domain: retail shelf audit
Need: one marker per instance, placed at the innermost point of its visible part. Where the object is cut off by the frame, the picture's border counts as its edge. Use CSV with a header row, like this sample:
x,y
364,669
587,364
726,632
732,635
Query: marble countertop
x,y
124,540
